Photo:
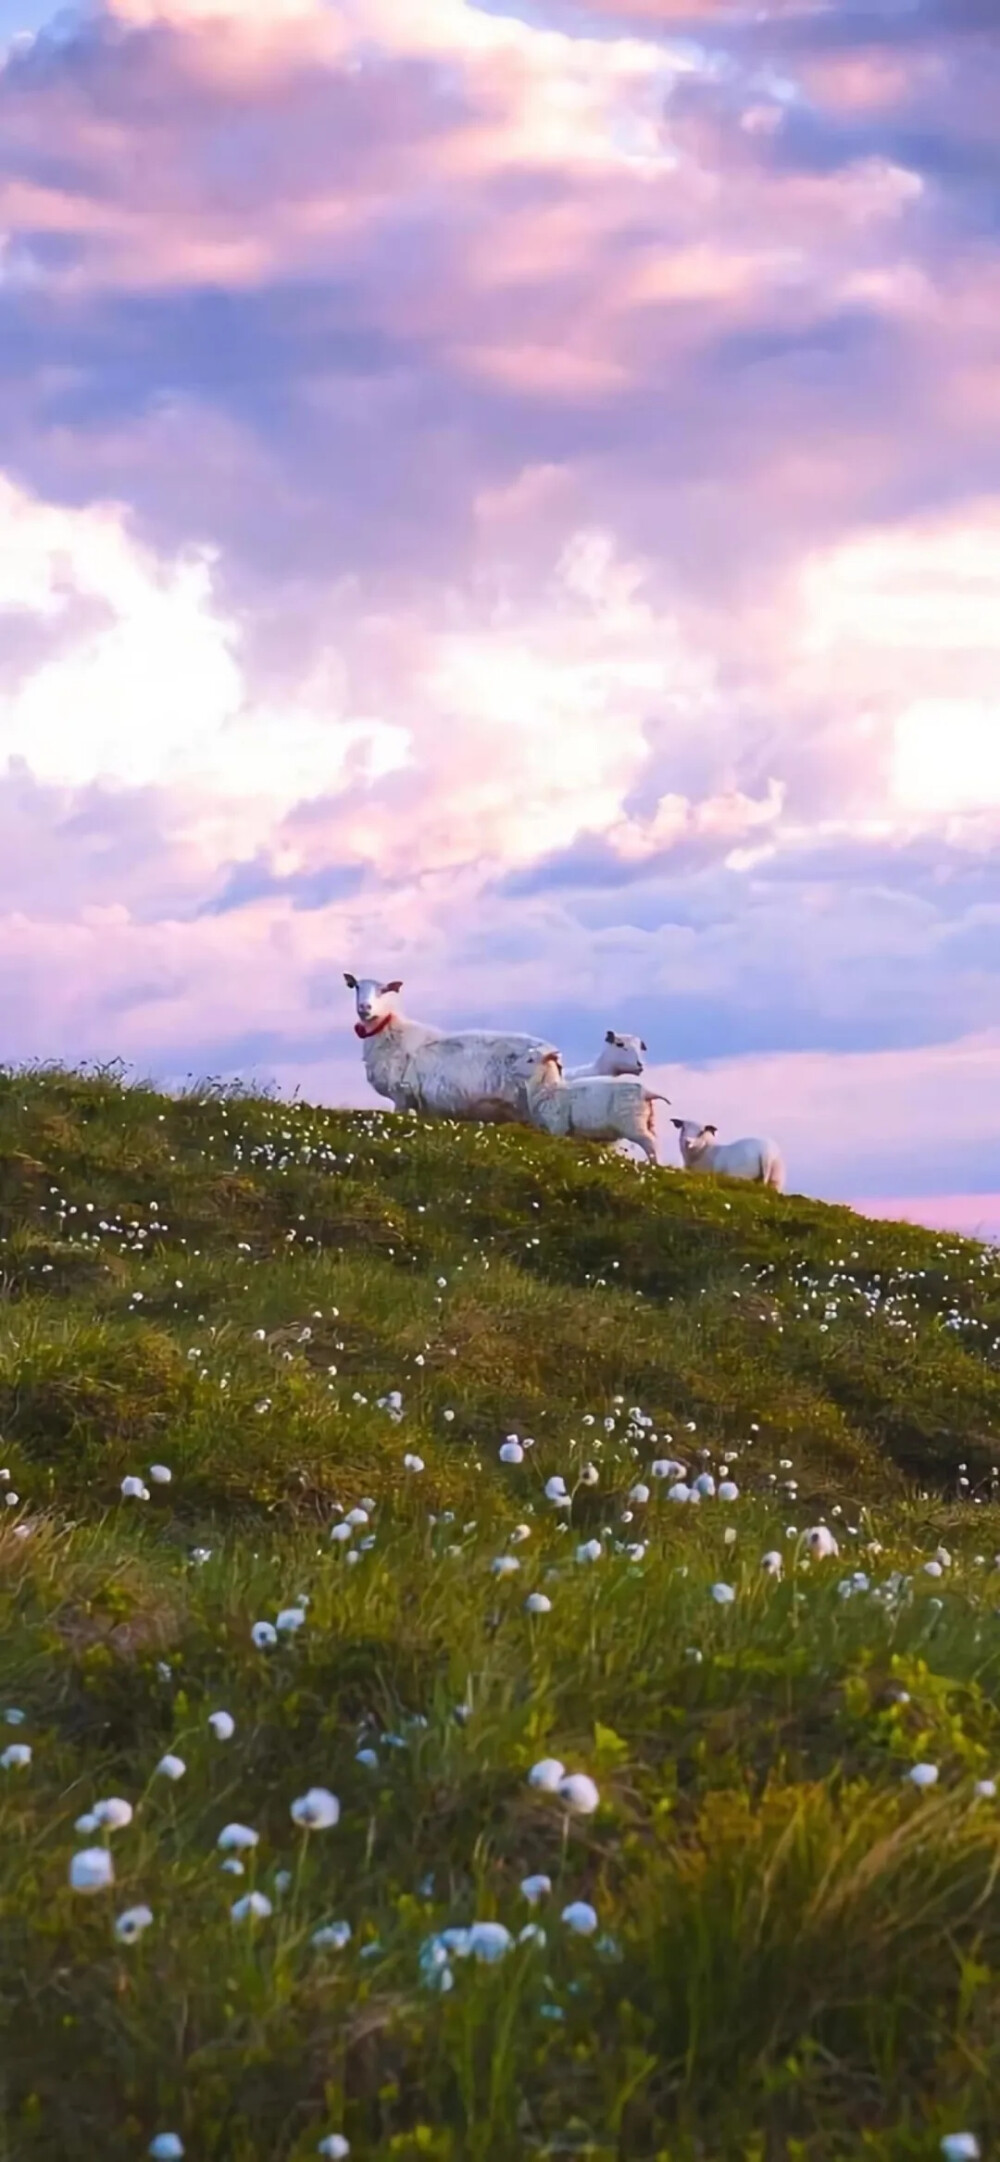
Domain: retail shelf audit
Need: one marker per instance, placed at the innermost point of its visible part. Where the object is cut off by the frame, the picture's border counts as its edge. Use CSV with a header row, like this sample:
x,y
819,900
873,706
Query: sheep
x,y
747,1159
597,1108
617,1055
464,1076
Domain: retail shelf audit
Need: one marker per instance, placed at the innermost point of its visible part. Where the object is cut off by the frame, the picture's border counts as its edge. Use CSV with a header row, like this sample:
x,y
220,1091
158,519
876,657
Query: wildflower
x,y
728,1490
236,1838
16,1757
511,1452
933,1568
591,1550
489,1941
519,1534
665,1467
160,1474
166,2147
923,1775
87,1823
821,1542
532,1934
91,1870
579,1793
581,1917
130,1925
772,1562
114,1814
680,1492
134,1490
13,1717
340,1532
223,1725
723,1594
368,1758
171,1767
590,1475
355,1517
960,2147
546,1775
316,1811
264,1635
639,1494
253,1907
985,1790
290,1619
705,1484
535,1888
555,1491
334,2146
505,1565
412,1463
332,1936
537,1602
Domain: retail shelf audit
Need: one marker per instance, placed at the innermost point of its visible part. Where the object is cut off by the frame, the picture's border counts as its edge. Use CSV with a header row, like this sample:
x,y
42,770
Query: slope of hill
x,y
765,1940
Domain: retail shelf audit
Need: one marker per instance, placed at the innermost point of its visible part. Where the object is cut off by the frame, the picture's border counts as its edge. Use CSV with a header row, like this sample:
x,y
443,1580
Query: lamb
x,y
617,1055
747,1159
464,1076
597,1108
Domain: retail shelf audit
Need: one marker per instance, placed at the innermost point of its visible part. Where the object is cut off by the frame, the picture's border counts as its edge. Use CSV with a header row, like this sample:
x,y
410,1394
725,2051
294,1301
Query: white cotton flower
x,y
666,1467
942,1555
130,1925
223,1725
723,1594
680,1492
171,1767
368,1758
591,1550
87,1823
985,1790
236,1838
960,2147
334,2147
265,1635
923,1775
590,1475
532,1934
16,1757
555,1490
639,1494
933,1568
166,2146
728,1490
290,1619
535,1888
91,1870
332,1936
232,1868
505,1565
546,1775
253,1907
581,1917
316,1811
704,1484
772,1562
13,1717
579,1793
821,1542
489,1941
160,1474
520,1533
339,1533
114,1813
538,1602
132,1489
511,1452
413,1463
356,1517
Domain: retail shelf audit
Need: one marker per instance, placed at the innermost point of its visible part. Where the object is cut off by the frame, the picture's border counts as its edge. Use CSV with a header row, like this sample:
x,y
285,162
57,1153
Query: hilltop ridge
x,y
315,1322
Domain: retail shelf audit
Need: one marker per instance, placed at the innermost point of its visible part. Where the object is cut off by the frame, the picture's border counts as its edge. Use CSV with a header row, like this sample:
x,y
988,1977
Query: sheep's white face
x,y
622,1054
691,1136
374,1000
538,1065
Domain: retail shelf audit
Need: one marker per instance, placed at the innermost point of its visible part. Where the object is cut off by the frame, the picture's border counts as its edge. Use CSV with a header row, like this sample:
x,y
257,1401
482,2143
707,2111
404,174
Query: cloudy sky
x,y
508,495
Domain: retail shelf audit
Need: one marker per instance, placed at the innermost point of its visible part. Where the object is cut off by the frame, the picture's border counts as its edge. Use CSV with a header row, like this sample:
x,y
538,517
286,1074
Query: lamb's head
x,y
539,1068
374,1002
621,1054
694,1138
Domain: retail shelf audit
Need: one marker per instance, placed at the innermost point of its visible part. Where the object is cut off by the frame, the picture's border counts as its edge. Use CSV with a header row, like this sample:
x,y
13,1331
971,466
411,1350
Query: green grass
x,y
797,1954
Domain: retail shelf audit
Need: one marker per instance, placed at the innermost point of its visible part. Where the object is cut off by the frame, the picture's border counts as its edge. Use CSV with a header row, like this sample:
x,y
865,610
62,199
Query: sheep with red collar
x,y
468,1075
750,1158
617,1056
595,1108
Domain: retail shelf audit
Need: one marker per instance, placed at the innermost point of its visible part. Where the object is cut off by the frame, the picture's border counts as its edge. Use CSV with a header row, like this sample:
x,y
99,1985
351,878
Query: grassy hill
x,y
796,1952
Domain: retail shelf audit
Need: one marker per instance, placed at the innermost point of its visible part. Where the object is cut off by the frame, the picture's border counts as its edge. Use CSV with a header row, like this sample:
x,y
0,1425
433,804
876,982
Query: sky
x,y
508,497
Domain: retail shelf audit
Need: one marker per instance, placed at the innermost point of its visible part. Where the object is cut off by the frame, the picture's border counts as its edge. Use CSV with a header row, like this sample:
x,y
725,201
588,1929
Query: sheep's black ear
x,y
710,1129
351,981
390,987
642,1046
609,1036
678,1123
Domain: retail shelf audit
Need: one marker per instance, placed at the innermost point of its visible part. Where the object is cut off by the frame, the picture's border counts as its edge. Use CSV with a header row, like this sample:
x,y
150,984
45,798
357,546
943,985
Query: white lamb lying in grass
x,y
595,1109
747,1159
617,1055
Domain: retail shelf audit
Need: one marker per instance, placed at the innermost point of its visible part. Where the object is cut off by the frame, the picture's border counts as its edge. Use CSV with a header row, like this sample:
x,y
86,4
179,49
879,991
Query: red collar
x,y
375,1029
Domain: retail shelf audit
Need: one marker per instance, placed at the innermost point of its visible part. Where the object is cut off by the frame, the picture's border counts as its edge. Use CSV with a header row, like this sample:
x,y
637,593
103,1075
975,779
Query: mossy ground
x,y
797,1953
